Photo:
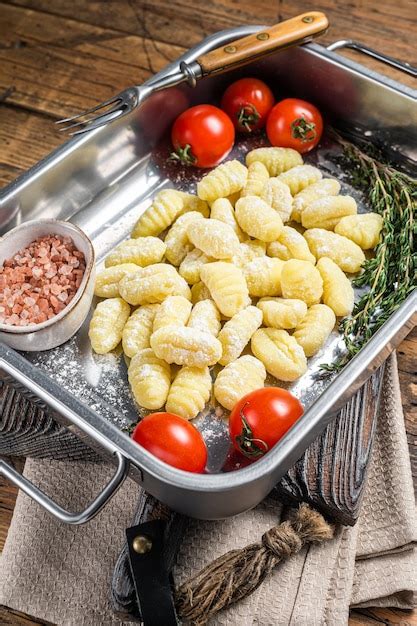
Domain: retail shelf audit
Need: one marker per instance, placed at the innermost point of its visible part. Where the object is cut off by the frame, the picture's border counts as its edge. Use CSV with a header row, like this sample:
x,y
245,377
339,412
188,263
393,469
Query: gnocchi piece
x,y
176,240
166,207
150,379
258,219
290,245
190,391
312,332
302,281
278,195
338,292
240,377
153,284
282,356
174,311
107,323
344,252
199,292
214,238
300,177
364,229
138,329
224,180
263,277
282,312
205,316
142,252
107,281
193,203
227,286
248,251
222,210
323,187
257,177
232,199
237,332
191,266
326,212
276,160
186,346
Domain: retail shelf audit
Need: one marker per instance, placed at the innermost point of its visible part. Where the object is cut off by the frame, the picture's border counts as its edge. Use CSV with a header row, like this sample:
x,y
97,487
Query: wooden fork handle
x,y
289,33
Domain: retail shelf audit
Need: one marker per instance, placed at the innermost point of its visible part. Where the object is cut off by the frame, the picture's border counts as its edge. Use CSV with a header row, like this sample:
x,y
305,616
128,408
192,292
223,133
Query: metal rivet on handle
x,y
262,36
308,19
142,544
230,49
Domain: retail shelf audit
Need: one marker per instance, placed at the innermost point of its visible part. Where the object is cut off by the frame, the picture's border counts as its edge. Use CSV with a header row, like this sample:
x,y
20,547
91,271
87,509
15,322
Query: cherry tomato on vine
x,y
247,102
172,439
294,123
202,136
261,418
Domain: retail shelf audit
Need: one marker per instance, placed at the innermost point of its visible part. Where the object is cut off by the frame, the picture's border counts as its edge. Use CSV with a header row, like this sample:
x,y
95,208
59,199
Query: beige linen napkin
x,y
62,574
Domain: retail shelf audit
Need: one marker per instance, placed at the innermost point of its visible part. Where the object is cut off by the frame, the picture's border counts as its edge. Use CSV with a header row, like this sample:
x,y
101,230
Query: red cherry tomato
x,y
261,418
247,102
173,440
294,123
202,136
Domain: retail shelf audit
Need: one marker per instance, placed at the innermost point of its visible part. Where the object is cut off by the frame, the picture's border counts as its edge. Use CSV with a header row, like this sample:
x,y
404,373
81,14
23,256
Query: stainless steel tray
x,y
103,180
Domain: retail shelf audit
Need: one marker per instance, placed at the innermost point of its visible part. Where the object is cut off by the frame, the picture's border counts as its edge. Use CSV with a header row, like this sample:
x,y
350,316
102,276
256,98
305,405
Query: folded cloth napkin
x,y
62,574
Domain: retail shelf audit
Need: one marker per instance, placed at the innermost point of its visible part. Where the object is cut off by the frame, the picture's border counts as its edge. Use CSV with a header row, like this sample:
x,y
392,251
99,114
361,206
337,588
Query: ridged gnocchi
x,y
153,284
138,329
302,281
223,211
326,212
314,329
276,160
214,238
186,346
173,311
142,252
107,323
338,292
257,177
238,379
176,240
282,356
224,180
283,313
263,277
190,202
189,392
290,245
300,177
150,379
227,286
166,207
191,265
320,189
199,292
278,195
237,332
107,280
258,219
205,316
364,229
248,251
344,252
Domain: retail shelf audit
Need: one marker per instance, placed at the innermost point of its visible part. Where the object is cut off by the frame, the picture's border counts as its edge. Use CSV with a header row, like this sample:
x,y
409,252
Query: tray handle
x,y
55,509
384,58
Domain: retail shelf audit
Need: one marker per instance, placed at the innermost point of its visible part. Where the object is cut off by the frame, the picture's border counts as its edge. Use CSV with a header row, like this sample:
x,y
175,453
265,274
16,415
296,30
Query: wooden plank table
x,y
59,58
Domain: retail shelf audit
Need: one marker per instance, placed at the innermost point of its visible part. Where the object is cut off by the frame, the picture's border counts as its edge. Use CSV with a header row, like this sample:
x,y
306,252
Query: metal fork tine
x,y
116,99
101,120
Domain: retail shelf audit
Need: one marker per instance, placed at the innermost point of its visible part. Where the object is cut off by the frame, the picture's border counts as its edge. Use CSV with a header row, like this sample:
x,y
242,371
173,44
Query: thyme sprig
x,y
391,274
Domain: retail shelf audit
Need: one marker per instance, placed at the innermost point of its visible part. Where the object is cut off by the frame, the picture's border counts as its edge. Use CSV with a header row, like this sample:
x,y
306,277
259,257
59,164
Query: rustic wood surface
x,y
58,58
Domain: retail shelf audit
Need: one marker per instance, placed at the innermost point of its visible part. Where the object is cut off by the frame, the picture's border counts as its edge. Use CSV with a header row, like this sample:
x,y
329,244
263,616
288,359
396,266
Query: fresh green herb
x,y
391,274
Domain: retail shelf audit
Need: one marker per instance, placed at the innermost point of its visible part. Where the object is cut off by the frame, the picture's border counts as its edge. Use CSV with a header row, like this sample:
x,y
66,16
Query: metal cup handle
x,y
384,58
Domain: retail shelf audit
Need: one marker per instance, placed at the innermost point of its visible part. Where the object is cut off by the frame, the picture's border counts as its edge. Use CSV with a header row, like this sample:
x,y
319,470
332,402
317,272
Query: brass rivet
x,y
142,544
230,49
308,19
262,36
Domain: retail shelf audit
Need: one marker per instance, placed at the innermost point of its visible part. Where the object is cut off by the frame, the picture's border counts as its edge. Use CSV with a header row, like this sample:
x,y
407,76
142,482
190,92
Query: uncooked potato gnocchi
x,y
224,180
108,279
150,379
300,177
263,277
276,160
214,238
323,187
222,210
191,266
153,284
278,195
314,329
290,245
173,311
302,281
107,323
138,329
344,252
144,251
199,292
176,240
166,207
283,313
189,392
237,379
326,212
186,346
227,286
257,177
258,219
338,292
282,356
248,251
364,229
237,332
205,316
